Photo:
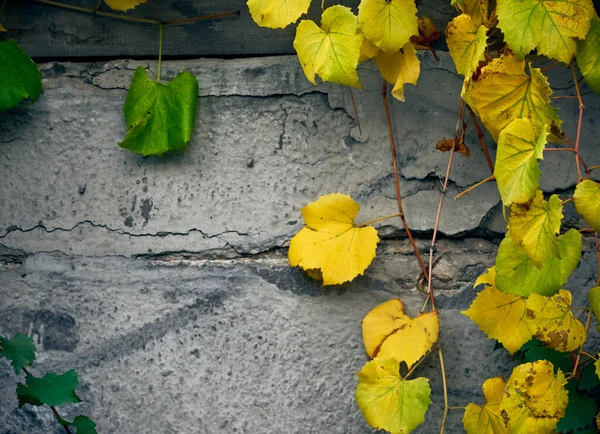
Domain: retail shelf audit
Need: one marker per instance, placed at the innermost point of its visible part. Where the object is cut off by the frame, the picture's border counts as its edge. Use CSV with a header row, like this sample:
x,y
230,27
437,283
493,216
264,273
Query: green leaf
x,y
587,202
20,351
537,350
594,297
516,274
589,380
517,171
580,412
20,78
588,56
51,389
160,117
84,425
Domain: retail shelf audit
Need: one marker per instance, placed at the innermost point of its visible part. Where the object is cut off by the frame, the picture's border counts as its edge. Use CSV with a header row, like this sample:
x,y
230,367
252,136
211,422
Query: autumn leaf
x,y
428,34
331,242
20,78
552,322
277,13
467,43
587,202
389,24
486,419
124,5
517,171
388,331
503,92
478,10
549,26
516,274
534,398
588,56
2,29
399,68
446,145
368,50
389,402
332,51
534,226
597,365
594,298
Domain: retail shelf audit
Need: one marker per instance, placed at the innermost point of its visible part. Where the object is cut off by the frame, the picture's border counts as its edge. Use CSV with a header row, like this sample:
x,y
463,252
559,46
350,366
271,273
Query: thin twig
x,y
474,186
589,355
589,169
201,18
567,201
160,32
564,97
415,366
598,256
587,326
581,107
355,110
481,138
552,65
370,222
446,406
572,146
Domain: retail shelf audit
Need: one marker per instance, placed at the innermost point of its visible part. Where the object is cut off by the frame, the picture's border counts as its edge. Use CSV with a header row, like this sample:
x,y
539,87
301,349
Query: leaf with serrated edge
x,y
478,10
20,78
588,56
277,13
587,202
399,68
517,171
467,43
331,241
389,24
19,351
124,5
580,411
84,425
388,401
51,389
332,51
549,26
486,419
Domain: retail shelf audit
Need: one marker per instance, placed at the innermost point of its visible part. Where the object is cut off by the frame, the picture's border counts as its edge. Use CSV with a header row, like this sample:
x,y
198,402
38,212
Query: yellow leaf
x,y
2,29
388,331
368,50
503,92
549,25
517,171
331,242
428,32
478,10
332,51
597,366
277,13
535,227
389,24
399,68
587,202
388,401
124,5
501,316
486,419
551,321
488,278
534,398
467,43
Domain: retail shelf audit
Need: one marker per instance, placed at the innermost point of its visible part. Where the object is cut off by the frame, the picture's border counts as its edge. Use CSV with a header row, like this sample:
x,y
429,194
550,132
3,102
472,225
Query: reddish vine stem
x,y
581,107
397,180
572,146
355,110
575,372
598,256
482,140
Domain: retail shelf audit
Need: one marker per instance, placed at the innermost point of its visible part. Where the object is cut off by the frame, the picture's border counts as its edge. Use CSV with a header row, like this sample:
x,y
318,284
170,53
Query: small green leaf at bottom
x,y
20,351
51,389
84,425
580,412
20,78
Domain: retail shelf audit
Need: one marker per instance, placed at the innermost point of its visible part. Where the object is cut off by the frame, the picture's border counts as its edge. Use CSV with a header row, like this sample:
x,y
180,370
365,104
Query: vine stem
x,y
572,146
446,406
580,119
474,186
593,168
598,256
377,220
355,110
481,140
160,37
587,326
397,180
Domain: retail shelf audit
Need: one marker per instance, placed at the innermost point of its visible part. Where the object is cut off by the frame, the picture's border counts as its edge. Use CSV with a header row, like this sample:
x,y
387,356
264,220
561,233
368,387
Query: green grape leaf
x,y
516,274
534,226
51,389
84,425
332,51
20,78
537,350
467,43
517,171
587,202
389,24
589,380
160,117
277,13
594,297
580,412
549,26
20,351
588,56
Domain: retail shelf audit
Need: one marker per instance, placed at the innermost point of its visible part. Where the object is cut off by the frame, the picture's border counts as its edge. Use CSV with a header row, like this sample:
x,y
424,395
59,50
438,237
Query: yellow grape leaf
x,y
501,316
388,401
488,278
597,366
368,50
552,322
389,24
2,29
124,5
594,298
399,68
467,43
503,92
277,14
478,10
332,51
331,242
548,25
486,419
388,331
588,56
587,202
534,227
534,398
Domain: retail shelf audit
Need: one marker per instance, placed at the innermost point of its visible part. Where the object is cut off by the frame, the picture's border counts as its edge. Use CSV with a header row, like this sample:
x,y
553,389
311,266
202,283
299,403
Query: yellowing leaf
x,y
552,322
388,331
486,419
399,68
488,278
597,366
548,25
503,92
388,401
331,242
2,29
594,298
501,316
534,226
517,275
389,24
587,202
124,5
368,50
332,51
588,56
534,398
517,171
428,33
277,13
466,42
478,10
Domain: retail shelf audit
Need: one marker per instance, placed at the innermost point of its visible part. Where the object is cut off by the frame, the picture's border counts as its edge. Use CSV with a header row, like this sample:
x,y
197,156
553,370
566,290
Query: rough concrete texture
x,y
164,281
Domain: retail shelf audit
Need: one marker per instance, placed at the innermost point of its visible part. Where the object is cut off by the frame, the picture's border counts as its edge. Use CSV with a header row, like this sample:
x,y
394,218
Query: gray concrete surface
x,y
164,281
